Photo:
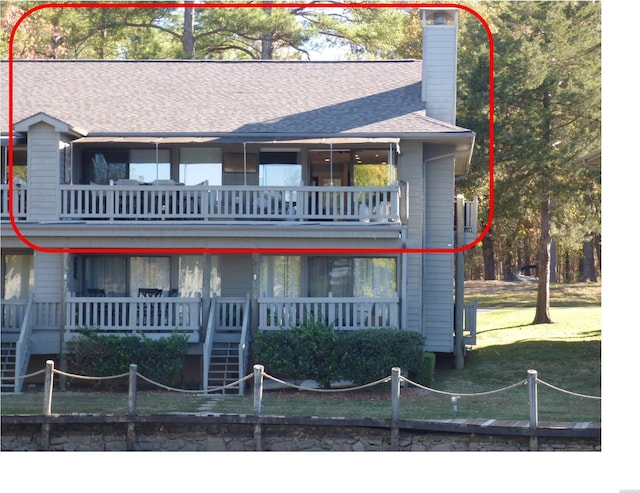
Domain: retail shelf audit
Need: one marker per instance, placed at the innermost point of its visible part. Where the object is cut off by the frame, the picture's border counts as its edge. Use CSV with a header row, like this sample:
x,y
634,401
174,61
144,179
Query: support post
x,y
258,380
395,408
533,408
459,285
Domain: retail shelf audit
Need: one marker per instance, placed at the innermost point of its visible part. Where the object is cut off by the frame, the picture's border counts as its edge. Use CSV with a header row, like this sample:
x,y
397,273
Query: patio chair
x,y
149,292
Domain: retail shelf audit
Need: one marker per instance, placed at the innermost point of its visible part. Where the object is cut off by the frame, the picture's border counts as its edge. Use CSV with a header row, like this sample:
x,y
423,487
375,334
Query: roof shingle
x,y
278,98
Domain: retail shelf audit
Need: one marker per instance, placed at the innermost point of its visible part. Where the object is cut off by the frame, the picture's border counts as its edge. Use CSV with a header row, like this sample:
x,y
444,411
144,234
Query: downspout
x,y
244,156
331,163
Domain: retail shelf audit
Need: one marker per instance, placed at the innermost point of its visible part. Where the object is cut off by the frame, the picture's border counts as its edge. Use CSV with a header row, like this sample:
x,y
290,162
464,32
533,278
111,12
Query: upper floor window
x,y
199,165
19,170
373,167
280,169
147,165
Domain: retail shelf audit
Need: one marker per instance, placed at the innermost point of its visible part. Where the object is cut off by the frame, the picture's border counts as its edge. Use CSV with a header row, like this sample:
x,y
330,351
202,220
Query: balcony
x,y
227,203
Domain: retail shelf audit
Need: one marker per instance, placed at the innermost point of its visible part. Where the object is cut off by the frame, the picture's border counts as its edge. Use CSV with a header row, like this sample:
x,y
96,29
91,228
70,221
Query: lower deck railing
x,y
342,313
159,317
155,317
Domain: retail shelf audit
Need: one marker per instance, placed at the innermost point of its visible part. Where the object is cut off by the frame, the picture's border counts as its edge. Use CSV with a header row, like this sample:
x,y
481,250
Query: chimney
x,y
439,62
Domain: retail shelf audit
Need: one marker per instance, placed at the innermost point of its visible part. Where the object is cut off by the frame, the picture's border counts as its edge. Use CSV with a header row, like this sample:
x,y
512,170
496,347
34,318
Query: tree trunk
x,y
508,266
188,36
543,315
598,247
589,264
489,259
553,266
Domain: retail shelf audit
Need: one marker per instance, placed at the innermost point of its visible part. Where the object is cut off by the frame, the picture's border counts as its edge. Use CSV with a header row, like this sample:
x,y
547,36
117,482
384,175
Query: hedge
x,y
317,351
93,354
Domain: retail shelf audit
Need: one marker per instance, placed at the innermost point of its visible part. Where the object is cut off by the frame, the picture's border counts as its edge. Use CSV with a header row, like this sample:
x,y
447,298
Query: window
x,y
360,167
279,169
352,277
101,166
104,166
19,164
200,164
190,276
17,279
149,272
147,165
123,276
106,273
372,168
280,276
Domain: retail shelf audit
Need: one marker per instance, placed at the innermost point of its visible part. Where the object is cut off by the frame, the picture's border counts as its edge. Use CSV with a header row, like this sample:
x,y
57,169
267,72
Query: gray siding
x,y
439,71
48,272
48,276
236,275
43,154
438,267
410,170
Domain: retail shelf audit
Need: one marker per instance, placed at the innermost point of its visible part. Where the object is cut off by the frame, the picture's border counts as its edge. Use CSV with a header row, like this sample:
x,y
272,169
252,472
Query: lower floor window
x,y
341,277
17,278
352,277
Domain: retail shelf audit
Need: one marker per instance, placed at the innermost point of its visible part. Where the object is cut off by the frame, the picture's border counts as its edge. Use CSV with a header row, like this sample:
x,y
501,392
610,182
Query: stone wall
x,y
247,433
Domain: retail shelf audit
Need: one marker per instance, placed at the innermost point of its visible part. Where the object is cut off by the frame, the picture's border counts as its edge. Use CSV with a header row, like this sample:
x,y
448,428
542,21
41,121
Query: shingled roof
x,y
212,98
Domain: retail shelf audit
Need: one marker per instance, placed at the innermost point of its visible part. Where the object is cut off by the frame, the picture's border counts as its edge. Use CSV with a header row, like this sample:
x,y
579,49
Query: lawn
x,y
566,355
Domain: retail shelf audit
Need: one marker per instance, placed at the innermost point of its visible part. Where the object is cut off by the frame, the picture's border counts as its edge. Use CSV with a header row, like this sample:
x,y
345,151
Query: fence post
x,y
258,380
48,388
46,410
533,408
395,408
133,389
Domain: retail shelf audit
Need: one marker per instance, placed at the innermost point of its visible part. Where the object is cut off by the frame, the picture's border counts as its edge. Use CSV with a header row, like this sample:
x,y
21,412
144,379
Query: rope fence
x,y
258,376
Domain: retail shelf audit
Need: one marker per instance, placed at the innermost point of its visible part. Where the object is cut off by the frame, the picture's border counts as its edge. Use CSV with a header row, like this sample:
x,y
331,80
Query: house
x,y
220,198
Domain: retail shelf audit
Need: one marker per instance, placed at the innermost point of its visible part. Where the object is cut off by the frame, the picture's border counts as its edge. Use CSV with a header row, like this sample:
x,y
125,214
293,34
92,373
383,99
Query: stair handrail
x,y
243,345
23,347
208,342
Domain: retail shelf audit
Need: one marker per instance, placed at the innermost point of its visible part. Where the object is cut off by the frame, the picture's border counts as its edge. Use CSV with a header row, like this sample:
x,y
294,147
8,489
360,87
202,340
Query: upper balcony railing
x,y
200,202
19,201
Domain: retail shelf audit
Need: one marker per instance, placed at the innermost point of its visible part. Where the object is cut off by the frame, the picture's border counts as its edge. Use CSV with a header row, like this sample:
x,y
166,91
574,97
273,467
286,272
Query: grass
x,y
566,355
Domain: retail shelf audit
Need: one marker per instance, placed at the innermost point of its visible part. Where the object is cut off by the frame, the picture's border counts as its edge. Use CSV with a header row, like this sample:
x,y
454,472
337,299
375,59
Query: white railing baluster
x,y
307,203
343,313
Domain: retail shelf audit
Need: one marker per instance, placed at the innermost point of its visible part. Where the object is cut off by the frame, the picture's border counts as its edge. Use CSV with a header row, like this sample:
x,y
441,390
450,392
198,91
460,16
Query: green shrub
x,y
308,351
92,354
371,354
426,373
317,351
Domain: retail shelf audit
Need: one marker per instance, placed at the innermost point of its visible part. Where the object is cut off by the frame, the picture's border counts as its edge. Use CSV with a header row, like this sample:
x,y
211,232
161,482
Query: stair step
x,y
223,362
7,365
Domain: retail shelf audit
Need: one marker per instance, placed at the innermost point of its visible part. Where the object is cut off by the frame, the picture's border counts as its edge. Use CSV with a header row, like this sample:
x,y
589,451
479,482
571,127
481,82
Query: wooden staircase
x,y
7,366
227,329
224,366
